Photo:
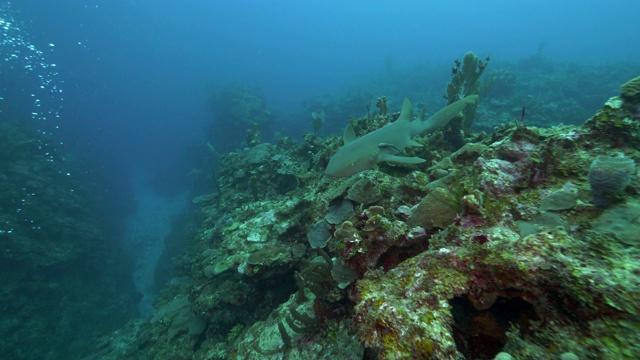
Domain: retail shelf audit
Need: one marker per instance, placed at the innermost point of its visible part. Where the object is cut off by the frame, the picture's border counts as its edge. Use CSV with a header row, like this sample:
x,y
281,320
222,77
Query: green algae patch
x,y
405,311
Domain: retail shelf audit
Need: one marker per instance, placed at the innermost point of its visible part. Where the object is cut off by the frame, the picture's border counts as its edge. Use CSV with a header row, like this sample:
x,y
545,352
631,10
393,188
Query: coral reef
x,y
494,250
239,112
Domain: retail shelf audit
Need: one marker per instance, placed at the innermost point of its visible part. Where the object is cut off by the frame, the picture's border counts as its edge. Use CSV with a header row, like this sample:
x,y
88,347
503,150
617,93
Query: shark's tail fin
x,y
442,117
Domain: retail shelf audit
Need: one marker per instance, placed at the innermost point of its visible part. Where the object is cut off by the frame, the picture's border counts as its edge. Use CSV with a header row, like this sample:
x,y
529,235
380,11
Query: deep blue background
x,y
137,73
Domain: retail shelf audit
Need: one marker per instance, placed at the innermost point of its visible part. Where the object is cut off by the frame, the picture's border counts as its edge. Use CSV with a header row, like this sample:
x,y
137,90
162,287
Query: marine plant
x,y
465,81
318,120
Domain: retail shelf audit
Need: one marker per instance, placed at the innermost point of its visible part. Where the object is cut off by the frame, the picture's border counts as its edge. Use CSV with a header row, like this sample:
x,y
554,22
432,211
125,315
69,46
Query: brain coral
x,y
631,88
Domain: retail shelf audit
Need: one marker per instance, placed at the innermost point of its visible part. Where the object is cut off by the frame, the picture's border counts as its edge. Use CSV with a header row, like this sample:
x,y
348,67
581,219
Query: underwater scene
x,y
358,180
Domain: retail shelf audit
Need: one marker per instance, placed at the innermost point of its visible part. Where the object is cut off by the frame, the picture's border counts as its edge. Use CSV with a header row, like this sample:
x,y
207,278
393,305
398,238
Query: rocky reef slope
x,y
523,243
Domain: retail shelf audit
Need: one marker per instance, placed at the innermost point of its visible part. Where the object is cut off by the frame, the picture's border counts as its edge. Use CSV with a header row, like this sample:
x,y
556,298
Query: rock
x,y
365,191
437,209
560,200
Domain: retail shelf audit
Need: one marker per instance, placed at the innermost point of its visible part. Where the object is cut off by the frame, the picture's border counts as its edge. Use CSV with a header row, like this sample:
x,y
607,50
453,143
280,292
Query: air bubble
x,y
37,77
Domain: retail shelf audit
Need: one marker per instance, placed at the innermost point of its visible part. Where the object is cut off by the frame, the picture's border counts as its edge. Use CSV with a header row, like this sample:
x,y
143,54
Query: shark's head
x,y
349,161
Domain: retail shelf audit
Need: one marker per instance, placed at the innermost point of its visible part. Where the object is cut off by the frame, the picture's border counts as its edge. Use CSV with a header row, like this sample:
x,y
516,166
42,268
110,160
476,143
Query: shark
x,y
362,153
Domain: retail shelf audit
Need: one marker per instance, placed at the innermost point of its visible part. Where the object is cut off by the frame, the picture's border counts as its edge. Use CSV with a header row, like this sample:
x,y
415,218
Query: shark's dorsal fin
x,y
349,135
405,113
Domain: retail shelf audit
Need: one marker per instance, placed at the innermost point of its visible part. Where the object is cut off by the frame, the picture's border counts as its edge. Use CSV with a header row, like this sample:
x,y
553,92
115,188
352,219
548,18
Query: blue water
x,y
145,233
126,83
137,74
